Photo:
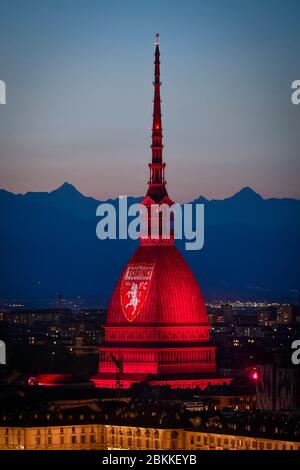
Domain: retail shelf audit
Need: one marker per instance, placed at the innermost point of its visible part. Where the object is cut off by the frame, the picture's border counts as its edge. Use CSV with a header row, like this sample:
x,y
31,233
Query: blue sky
x,y
79,95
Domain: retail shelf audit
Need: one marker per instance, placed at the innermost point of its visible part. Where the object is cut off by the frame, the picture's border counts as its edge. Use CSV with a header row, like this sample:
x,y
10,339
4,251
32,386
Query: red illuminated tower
x,y
157,328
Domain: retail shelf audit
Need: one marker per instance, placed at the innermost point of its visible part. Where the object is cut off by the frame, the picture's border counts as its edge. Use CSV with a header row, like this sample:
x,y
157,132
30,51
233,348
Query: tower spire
x,y
157,193
157,166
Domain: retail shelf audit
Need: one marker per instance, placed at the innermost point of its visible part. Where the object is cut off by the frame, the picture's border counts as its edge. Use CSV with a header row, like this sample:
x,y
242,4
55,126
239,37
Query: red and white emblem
x,y
134,289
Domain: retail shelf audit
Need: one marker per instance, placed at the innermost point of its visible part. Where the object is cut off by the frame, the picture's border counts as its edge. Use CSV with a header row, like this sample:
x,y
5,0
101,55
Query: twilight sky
x,y
79,95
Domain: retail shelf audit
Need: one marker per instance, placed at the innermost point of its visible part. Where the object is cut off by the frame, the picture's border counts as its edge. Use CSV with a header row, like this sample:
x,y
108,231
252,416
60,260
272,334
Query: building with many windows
x,y
286,314
106,437
122,425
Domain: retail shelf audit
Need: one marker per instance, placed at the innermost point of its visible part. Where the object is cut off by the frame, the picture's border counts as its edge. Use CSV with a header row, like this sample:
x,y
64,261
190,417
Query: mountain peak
x,y
66,188
247,193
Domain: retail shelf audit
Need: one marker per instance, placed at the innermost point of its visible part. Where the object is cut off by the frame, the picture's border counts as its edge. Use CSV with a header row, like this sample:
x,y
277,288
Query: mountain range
x,y
48,245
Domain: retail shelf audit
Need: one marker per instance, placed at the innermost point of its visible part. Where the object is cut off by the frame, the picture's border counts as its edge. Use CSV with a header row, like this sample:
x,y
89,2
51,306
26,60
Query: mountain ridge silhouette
x,y
49,245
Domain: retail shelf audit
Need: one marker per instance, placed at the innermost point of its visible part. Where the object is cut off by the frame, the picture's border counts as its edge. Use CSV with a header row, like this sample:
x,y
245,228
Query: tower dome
x,y
170,294
156,328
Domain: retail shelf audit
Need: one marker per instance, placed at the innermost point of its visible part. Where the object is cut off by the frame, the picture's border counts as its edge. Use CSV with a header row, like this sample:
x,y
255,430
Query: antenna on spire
x,y
157,39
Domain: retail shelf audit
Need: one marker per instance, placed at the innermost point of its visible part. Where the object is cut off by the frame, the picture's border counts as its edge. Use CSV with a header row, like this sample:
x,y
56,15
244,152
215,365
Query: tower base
x,y
177,365
111,381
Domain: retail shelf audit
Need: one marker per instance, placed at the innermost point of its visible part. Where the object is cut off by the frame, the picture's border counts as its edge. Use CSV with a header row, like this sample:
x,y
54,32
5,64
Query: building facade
x,y
286,314
106,437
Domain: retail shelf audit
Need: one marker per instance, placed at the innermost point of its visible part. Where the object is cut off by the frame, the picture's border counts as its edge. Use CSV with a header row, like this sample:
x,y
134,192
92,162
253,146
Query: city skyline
x,y
228,117
128,322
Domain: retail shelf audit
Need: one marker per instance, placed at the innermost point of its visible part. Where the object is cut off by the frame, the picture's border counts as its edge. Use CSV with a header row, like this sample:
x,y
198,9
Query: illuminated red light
x,y
32,381
53,380
254,375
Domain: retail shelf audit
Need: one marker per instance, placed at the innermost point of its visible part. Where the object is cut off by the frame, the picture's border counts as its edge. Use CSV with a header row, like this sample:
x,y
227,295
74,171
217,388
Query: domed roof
x,y
157,287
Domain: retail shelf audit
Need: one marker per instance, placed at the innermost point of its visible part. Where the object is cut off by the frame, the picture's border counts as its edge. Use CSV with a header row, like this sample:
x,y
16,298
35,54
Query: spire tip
x,y
157,39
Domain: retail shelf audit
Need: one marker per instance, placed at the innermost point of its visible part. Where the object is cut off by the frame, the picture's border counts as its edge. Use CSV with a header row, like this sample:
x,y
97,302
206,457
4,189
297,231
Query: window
x,y
73,439
62,439
192,440
129,441
174,444
73,430
61,430
82,439
49,440
269,446
38,441
261,446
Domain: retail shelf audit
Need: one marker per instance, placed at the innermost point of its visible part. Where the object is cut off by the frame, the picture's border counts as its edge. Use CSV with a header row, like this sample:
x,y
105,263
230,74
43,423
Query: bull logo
x,y
134,289
134,297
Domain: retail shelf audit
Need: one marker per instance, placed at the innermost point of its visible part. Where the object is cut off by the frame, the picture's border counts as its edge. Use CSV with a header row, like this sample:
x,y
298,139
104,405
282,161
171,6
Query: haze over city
x,y
79,96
